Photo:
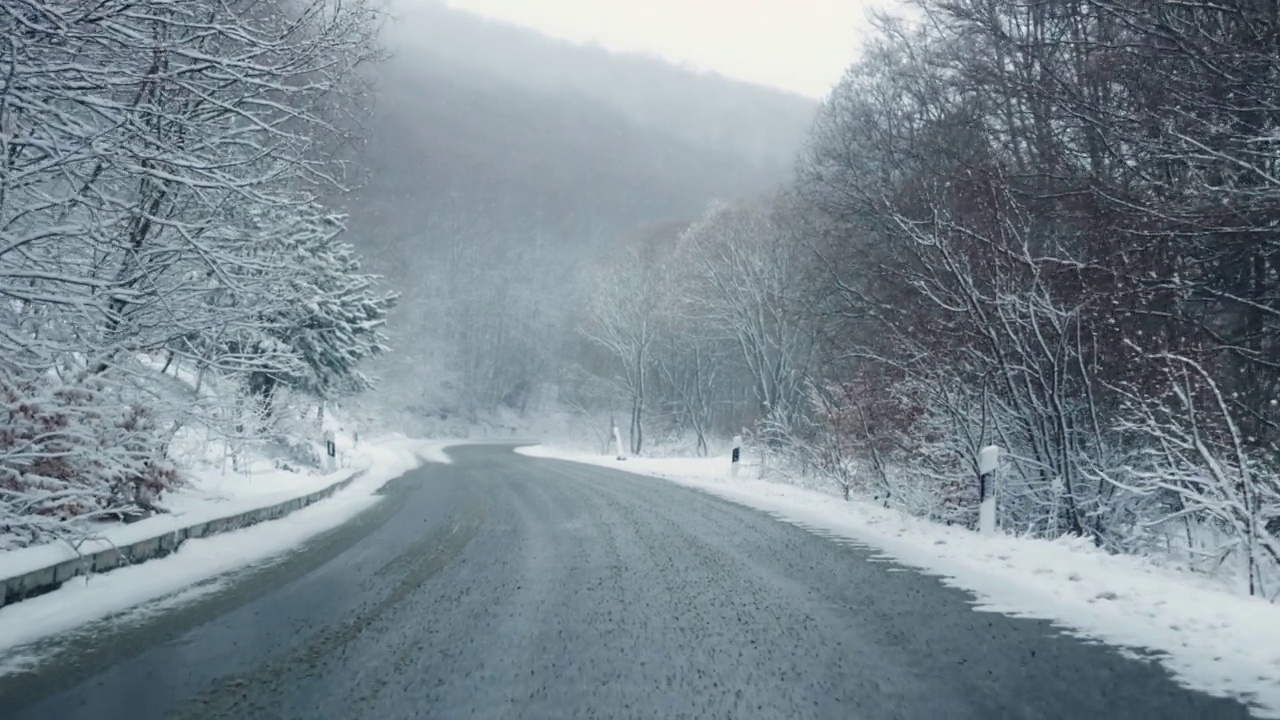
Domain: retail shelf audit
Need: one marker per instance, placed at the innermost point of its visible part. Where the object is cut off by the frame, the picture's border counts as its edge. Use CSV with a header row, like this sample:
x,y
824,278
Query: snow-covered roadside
x,y
206,495
86,599
1210,639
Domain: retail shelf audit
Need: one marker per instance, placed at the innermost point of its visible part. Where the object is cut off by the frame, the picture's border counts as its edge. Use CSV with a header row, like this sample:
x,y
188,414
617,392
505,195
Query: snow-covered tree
x,y
155,153
624,311
325,318
741,275
1048,226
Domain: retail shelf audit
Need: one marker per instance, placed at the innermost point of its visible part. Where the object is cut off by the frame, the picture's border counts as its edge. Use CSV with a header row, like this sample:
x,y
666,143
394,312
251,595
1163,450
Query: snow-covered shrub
x,y
73,452
294,432
1193,463
899,449
798,443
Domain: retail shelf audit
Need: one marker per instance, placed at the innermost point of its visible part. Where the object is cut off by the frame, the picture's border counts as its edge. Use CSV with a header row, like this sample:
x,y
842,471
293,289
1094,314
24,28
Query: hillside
x,y
485,182
761,125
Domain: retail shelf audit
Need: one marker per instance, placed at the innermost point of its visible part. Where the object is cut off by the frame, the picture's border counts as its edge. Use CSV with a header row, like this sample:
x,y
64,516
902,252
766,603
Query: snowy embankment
x,y
1209,638
86,599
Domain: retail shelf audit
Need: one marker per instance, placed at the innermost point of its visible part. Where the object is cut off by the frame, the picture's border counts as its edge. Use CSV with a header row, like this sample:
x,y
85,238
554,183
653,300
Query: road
x,y
509,587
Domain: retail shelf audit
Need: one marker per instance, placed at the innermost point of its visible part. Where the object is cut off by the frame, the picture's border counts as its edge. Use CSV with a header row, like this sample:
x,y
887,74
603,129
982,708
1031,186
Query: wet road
x,y
509,587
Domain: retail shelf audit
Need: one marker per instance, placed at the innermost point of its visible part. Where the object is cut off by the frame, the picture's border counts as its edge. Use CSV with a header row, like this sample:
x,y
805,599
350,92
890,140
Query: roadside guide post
x,y
737,455
988,461
617,443
330,451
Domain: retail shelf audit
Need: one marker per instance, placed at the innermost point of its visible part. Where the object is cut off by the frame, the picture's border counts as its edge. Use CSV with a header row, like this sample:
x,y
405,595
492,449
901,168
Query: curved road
x,y
509,587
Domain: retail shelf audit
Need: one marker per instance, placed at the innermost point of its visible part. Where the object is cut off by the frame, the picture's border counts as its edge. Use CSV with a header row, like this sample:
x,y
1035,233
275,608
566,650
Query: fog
x,y
1019,272
498,164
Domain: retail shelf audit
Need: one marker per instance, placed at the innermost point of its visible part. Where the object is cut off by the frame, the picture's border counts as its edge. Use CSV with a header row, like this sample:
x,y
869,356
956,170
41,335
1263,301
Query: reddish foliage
x,y
71,450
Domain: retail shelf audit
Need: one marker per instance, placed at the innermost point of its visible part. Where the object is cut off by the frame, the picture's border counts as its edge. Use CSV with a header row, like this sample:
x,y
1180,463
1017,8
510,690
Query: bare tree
x,y
741,281
624,310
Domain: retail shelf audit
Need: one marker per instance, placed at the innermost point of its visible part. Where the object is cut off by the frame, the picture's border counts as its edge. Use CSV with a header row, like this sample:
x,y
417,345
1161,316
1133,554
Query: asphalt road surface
x,y
508,587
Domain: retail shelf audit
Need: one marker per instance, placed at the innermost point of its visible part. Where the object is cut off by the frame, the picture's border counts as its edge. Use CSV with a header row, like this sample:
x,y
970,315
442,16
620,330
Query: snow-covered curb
x,y
158,540
241,538
181,576
22,571
1210,639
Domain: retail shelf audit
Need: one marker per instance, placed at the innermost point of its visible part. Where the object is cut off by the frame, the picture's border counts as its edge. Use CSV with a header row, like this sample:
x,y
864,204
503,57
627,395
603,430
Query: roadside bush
x,y
72,453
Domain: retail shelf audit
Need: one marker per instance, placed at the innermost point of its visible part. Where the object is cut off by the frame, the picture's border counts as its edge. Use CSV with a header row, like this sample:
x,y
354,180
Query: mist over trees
x,y
759,125
491,196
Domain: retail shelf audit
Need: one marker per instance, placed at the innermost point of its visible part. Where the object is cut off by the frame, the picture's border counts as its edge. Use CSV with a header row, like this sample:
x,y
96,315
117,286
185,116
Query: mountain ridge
x,y
761,123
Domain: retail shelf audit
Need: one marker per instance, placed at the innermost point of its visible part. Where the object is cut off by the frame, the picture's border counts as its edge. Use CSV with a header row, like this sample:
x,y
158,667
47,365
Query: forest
x,y
170,269
1048,227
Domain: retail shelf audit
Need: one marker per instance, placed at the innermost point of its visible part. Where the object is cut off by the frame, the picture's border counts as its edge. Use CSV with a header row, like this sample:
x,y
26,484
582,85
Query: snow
x,y
1209,638
177,578
208,495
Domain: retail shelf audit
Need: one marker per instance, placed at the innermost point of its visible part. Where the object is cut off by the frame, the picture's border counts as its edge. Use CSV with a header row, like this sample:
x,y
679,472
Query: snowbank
x,y
207,495
85,599
1210,639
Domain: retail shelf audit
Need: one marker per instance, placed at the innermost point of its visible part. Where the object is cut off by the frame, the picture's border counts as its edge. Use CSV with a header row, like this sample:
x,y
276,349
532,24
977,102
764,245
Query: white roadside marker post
x,y
1058,488
617,443
330,451
737,456
988,461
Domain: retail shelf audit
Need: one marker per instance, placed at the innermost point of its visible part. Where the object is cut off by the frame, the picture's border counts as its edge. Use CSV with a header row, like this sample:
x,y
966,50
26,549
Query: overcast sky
x,y
798,45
